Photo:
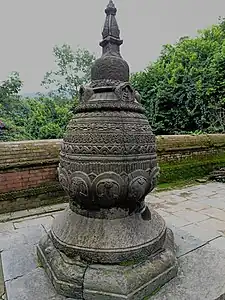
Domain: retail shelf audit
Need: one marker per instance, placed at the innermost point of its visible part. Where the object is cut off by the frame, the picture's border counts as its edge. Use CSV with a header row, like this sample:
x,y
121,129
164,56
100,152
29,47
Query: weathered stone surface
x,y
186,242
172,220
66,275
215,213
6,227
218,243
202,233
96,240
34,285
213,224
23,213
2,285
133,283
218,175
19,261
191,216
46,220
200,277
165,293
129,280
32,233
108,154
9,240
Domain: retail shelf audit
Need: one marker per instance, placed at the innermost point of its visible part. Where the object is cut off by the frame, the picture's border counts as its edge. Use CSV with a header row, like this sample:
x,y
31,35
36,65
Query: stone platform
x,y
129,280
195,214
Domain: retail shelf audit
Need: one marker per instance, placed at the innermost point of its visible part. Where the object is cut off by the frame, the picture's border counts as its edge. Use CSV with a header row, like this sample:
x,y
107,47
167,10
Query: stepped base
x,y
131,280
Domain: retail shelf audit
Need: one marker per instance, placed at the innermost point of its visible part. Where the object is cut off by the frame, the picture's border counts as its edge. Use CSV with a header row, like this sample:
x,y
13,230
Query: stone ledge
x,y
43,189
32,198
28,164
74,278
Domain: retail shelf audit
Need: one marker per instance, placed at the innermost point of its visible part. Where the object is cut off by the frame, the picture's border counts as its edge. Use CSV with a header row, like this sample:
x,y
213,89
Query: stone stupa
x,y
108,244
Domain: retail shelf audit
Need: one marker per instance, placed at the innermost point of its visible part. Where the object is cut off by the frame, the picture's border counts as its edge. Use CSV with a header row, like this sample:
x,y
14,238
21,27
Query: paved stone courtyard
x,y
196,214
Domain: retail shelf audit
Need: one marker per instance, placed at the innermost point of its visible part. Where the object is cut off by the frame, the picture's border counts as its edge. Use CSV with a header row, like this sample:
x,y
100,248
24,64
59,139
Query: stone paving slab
x,y
200,232
201,276
2,284
32,286
34,221
195,214
34,212
187,242
19,261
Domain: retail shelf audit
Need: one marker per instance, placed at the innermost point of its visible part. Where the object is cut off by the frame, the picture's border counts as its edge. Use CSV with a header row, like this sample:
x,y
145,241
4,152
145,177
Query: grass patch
x,y
156,291
127,263
175,184
152,294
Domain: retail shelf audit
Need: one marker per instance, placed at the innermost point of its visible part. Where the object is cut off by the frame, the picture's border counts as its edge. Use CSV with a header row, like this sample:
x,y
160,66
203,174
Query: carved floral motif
x,y
108,189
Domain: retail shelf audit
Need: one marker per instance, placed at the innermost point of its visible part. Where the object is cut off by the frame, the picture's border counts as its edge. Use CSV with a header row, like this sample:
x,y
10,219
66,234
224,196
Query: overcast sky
x,y
30,29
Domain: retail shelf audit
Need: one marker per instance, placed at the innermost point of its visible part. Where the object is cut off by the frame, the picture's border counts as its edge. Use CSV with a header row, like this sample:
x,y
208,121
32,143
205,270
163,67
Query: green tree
x,y
12,109
9,89
73,70
11,86
48,117
184,90
25,118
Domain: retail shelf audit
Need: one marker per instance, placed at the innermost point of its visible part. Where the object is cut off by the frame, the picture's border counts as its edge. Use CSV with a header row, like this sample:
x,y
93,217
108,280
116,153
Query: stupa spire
x,y
111,34
111,9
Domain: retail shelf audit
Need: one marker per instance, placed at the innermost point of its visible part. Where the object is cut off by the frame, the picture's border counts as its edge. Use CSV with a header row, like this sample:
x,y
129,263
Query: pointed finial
x,y
111,9
111,33
111,66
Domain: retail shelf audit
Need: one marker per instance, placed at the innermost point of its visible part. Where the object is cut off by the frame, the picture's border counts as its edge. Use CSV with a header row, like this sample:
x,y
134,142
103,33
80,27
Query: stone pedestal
x,y
125,258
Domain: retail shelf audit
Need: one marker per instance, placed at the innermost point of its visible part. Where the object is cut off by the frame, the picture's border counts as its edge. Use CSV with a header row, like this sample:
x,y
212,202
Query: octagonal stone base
x,y
131,280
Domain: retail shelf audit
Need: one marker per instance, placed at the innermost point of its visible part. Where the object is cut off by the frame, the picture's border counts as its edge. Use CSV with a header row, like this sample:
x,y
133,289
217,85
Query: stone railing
x,y
28,169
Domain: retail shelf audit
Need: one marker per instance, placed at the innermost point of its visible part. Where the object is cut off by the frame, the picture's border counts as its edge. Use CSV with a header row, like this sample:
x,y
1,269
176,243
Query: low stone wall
x,y
183,157
28,169
28,175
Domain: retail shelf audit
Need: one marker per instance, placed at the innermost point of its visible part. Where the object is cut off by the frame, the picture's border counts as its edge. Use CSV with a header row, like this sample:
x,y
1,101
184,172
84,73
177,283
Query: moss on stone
x,y
175,185
128,263
43,189
153,293
204,141
38,262
17,166
190,168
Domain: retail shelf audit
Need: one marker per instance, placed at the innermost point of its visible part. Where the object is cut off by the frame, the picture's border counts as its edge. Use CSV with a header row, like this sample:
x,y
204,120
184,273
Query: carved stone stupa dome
x,y
118,70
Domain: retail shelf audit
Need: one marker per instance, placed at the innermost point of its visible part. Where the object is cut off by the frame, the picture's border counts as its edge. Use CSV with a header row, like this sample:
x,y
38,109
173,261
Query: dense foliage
x,y
24,118
39,118
184,90
73,70
44,117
